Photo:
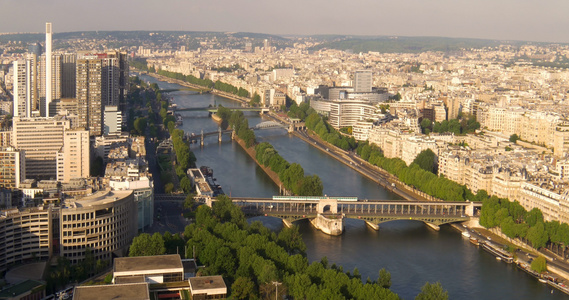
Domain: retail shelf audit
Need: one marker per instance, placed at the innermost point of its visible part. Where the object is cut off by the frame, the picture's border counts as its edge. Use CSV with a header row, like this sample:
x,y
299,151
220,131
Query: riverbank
x,y
483,234
196,87
272,174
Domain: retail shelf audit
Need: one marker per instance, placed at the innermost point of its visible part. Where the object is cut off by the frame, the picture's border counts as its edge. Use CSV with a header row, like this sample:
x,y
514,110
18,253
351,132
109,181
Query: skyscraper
x,y
25,86
101,80
48,69
363,81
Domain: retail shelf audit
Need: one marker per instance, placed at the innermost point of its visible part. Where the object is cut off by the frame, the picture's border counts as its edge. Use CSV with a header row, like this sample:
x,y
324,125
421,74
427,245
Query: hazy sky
x,y
532,20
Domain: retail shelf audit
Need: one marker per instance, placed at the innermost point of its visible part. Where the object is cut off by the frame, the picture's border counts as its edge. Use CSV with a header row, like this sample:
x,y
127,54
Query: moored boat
x,y
466,234
474,241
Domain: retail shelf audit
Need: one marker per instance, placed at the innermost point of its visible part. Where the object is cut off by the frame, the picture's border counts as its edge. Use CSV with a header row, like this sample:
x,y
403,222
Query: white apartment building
x,y
73,159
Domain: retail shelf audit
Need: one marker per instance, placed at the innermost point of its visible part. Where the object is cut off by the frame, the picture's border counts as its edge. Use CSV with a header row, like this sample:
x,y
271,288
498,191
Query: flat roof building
x,y
208,287
151,269
133,291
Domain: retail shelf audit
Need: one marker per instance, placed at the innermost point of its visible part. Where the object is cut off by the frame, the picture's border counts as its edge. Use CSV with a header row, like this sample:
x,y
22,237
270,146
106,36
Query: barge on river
x,y
501,254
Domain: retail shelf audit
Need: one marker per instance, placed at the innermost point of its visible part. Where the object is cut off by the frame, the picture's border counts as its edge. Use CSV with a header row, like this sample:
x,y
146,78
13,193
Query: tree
x,y
539,264
243,288
147,245
186,185
384,279
140,125
426,160
514,138
432,292
169,188
426,124
190,201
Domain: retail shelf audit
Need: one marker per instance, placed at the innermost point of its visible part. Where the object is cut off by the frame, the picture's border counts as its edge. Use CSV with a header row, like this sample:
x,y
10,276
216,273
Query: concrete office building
x,y
41,139
25,90
105,222
25,235
73,159
363,81
12,167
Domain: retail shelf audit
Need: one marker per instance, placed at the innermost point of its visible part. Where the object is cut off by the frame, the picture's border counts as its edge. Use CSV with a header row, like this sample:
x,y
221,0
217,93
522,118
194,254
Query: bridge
x,y
214,109
219,132
328,214
200,91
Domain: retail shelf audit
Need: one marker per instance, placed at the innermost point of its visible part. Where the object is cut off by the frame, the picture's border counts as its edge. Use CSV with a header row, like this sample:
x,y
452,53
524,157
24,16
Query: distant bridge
x,y
200,91
219,132
215,109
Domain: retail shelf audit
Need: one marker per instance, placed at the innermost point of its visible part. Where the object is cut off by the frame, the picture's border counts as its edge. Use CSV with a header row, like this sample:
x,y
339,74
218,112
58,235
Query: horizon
x,y
505,20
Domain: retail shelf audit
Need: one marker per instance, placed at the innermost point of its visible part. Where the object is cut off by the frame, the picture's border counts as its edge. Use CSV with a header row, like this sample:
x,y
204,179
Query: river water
x,y
410,251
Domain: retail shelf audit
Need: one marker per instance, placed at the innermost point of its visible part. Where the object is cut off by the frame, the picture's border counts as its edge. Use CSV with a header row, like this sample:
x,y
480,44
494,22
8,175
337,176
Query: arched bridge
x,y
372,212
269,125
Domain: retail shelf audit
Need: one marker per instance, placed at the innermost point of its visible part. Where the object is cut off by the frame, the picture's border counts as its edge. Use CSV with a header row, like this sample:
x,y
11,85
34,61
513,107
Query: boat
x,y
206,171
498,258
474,241
504,255
466,234
542,280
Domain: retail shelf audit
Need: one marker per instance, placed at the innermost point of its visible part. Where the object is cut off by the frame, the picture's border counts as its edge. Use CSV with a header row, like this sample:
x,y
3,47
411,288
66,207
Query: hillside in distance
x,y
403,44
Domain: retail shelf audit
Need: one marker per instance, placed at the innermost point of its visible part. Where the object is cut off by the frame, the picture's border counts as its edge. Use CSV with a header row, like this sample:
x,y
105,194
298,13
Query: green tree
x,y
147,245
169,188
190,201
539,264
140,125
384,279
537,236
432,292
426,124
426,160
514,138
243,288
186,185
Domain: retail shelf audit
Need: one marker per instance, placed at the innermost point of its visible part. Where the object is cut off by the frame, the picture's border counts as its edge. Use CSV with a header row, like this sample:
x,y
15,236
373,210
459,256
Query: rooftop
x,y
135,291
144,263
204,283
18,289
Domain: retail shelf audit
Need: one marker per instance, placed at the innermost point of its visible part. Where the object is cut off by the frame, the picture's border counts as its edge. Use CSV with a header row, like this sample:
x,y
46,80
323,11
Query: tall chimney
x,y
48,68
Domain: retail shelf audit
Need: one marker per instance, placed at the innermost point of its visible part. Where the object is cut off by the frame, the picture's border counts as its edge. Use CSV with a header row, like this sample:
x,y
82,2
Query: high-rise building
x,y
73,160
89,94
21,90
68,65
101,80
56,67
12,167
41,139
363,81
48,69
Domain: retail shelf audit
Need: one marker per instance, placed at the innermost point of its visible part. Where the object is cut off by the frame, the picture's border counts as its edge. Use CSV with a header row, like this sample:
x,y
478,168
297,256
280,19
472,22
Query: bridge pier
x,y
287,223
201,139
433,226
333,227
219,135
372,225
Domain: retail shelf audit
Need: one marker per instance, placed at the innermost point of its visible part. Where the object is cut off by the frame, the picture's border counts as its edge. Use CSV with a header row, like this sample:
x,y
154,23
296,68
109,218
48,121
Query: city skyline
x,y
506,20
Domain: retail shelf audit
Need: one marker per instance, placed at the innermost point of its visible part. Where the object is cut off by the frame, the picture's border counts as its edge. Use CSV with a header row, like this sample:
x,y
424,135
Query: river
x,y
409,250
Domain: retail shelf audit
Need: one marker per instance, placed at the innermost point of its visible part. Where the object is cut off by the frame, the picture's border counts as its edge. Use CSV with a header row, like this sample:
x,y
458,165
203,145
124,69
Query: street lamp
x,y
276,283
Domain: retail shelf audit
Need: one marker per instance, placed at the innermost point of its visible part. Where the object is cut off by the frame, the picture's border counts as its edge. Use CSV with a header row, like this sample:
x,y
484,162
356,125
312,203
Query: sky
x,y
526,20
